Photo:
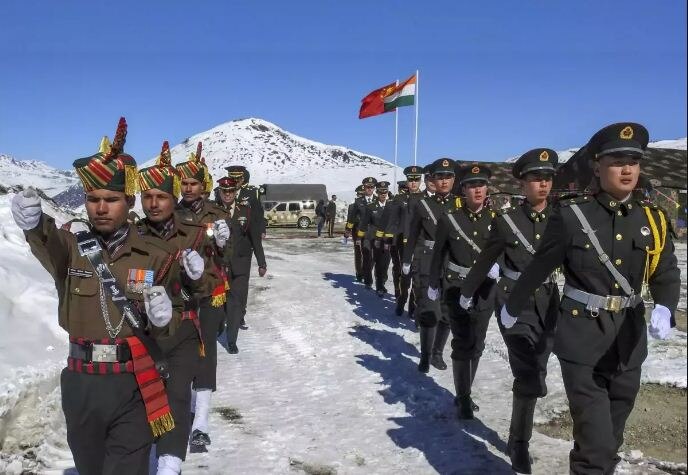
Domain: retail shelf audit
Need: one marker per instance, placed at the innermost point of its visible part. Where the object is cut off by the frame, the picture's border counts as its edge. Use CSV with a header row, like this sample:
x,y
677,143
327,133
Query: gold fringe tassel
x,y
659,240
201,349
162,425
218,300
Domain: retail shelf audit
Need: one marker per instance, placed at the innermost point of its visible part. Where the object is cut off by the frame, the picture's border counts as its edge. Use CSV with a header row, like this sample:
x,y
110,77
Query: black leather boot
x,y
520,432
441,337
462,384
427,337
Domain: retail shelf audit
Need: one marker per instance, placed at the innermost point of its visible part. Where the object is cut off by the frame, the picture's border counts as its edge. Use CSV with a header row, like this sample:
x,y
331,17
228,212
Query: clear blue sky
x,y
496,78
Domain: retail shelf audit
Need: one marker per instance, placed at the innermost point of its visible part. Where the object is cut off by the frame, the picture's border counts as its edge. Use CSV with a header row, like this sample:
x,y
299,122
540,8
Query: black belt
x,y
96,353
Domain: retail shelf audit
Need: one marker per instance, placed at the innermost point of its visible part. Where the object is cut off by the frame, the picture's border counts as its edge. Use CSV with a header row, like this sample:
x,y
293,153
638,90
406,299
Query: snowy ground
x,y
326,380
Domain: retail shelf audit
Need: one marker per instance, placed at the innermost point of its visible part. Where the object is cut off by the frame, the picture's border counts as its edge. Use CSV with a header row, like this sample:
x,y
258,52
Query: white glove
x,y
193,264
405,269
221,232
26,209
465,302
660,322
494,272
433,293
507,320
158,306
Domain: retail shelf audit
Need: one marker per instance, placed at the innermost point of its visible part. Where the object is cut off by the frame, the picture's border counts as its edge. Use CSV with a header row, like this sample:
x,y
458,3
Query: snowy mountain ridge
x,y
51,180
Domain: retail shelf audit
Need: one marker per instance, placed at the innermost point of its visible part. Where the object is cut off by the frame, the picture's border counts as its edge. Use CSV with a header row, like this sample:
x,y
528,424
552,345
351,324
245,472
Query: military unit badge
x,y
139,279
626,133
544,156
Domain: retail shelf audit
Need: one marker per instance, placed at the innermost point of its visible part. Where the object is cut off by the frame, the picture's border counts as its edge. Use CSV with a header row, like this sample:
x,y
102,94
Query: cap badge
x,y
626,133
544,156
645,231
475,170
445,163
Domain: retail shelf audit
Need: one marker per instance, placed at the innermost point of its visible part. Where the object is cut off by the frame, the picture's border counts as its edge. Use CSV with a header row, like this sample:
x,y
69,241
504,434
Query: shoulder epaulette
x,y
645,203
503,211
458,203
580,199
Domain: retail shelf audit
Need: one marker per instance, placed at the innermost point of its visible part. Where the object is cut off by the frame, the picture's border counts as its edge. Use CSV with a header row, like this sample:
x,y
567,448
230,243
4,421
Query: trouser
x,y
107,428
427,312
381,258
321,223
358,257
237,296
367,261
183,358
212,322
468,328
330,227
396,251
600,403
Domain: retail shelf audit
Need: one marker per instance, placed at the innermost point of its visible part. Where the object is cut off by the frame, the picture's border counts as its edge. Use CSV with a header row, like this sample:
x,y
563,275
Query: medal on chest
x,y
139,279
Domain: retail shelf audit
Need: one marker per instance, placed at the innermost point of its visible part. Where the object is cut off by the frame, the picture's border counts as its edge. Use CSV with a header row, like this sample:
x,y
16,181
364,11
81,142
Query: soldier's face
x,y
413,186
443,183
618,174
536,187
430,185
475,193
227,197
108,210
192,189
158,205
369,189
382,196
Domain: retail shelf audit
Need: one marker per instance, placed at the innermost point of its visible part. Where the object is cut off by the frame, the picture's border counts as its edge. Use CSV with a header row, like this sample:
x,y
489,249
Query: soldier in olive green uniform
x,y
160,188
615,251
113,397
193,208
362,255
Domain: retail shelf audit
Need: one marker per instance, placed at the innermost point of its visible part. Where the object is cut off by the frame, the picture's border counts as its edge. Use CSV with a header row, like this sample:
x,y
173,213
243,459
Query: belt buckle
x,y
613,303
104,353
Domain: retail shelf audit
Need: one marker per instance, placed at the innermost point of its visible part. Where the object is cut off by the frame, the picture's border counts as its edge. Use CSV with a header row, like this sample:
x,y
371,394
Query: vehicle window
x,y
281,207
308,205
268,205
294,207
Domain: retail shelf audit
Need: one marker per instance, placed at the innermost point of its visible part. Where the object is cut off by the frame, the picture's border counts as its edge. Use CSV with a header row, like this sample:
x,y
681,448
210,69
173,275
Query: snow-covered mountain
x,y
34,173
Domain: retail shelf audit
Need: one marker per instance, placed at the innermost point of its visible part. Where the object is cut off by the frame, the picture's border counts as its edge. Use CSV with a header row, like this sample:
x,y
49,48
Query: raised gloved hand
x,y
465,302
262,271
26,209
494,272
193,264
507,320
221,232
406,269
660,322
158,305
433,293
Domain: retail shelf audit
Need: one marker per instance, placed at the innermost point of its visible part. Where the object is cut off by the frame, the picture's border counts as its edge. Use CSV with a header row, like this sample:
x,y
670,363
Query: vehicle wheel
x,y
303,222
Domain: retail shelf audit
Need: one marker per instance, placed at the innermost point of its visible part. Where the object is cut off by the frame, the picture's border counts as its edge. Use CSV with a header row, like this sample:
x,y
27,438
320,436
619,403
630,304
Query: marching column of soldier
x,y
144,303
466,262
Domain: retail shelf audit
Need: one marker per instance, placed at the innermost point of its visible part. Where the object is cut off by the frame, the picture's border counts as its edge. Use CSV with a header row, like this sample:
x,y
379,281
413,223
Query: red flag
x,y
373,104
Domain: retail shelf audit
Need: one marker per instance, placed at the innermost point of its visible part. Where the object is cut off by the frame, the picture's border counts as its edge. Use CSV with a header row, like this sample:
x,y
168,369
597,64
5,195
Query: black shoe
x,y
232,349
380,293
424,364
199,438
521,461
359,278
465,409
243,325
399,311
474,406
438,362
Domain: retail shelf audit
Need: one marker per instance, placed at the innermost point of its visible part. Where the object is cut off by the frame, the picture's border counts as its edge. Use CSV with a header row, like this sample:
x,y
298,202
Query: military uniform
x,y
372,231
248,195
601,336
461,235
515,235
426,215
110,425
352,228
356,218
244,242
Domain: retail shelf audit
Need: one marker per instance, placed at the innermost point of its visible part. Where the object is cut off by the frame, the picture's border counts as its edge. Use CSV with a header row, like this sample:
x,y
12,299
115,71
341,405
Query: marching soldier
x,y
356,218
160,188
515,236
245,241
461,234
614,252
391,231
373,236
425,217
117,293
248,195
351,231
193,208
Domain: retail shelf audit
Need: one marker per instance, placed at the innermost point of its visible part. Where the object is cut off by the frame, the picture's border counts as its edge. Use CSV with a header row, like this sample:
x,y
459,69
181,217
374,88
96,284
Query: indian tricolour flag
x,y
403,95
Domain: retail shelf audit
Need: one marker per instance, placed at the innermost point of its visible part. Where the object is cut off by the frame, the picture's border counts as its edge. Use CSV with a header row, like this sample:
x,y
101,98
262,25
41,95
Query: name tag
x,y
139,279
71,271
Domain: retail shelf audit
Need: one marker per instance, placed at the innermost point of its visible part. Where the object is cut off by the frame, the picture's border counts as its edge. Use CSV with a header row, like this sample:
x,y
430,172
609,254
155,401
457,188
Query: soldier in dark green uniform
x,y
372,226
113,397
426,215
515,236
350,230
355,219
193,208
461,234
160,187
615,251
248,195
391,231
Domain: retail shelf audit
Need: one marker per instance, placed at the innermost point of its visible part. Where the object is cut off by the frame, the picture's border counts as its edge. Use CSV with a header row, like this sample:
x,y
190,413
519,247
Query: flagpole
x,y
396,139
415,140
